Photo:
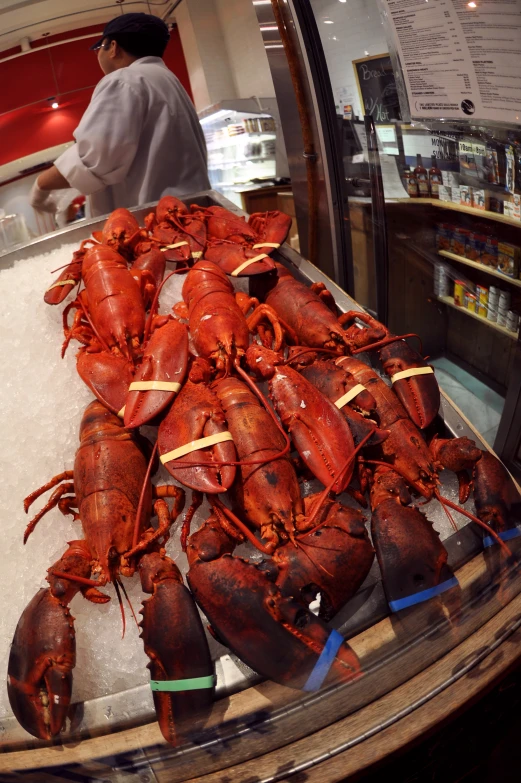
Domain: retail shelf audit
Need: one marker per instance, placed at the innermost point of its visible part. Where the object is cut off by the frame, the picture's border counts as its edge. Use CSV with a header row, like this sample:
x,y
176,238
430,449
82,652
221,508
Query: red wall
x,y
69,72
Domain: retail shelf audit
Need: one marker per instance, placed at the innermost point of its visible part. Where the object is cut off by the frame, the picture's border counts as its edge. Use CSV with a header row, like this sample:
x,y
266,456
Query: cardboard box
x,y
445,193
480,199
516,201
508,259
449,179
456,194
508,208
465,195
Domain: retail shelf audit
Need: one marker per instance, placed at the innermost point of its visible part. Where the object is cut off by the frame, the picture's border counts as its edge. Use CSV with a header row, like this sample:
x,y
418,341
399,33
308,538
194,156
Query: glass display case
x,y
242,147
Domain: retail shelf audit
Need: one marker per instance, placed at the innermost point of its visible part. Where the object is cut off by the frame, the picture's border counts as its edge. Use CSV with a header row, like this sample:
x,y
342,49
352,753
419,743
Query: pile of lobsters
x,y
197,375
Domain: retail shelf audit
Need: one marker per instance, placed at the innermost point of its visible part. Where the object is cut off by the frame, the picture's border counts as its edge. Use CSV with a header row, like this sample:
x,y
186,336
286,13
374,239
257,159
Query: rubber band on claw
x,y
410,373
194,445
191,684
423,595
324,663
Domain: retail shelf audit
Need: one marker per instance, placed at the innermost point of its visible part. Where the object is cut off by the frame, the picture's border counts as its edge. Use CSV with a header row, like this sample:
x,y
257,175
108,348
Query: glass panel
x,y
452,214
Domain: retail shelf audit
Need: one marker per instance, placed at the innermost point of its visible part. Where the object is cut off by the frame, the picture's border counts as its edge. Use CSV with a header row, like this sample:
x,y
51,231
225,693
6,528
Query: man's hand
x,y
42,200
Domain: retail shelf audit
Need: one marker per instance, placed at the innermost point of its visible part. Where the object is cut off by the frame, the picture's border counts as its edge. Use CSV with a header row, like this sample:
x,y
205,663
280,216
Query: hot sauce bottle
x,y
435,179
411,184
422,178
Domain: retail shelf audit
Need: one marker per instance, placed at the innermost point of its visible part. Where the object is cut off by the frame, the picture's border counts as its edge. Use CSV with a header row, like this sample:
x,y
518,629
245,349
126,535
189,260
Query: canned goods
x,y
493,295
501,320
512,321
472,301
491,314
459,293
504,299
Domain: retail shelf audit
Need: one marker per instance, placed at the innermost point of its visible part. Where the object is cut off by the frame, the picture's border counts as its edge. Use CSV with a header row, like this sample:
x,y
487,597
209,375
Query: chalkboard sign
x,y
377,87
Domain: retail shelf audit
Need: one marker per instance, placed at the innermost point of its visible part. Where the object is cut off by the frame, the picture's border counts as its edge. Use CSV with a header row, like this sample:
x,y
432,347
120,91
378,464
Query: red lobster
x,y
109,491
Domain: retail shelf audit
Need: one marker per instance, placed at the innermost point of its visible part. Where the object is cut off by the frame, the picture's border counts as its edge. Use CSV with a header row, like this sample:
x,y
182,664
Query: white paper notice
x,y
393,186
460,59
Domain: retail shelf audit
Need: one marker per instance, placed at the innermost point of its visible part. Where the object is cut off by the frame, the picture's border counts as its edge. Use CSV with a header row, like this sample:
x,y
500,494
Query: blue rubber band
x,y
505,536
325,660
423,595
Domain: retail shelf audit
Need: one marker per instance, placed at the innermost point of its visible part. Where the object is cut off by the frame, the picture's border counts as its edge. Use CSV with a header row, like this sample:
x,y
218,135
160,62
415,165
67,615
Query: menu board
x,y
377,87
460,59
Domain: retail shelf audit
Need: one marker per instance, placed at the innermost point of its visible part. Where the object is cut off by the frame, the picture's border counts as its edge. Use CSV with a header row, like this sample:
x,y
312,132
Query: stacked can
x,y
503,307
493,302
460,293
512,321
472,302
441,279
482,300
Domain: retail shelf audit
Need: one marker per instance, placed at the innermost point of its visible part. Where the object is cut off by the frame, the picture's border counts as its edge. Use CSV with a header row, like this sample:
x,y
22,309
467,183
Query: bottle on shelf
x,y
411,184
435,179
422,178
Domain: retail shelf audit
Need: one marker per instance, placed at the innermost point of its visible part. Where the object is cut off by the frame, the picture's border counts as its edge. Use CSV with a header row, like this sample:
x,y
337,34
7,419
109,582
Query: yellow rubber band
x,y
211,440
266,244
350,395
121,413
155,386
171,247
62,282
197,254
409,373
247,263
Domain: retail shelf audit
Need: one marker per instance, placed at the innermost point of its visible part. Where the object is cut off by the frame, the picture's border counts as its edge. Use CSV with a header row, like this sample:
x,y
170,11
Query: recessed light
x,y
54,105
328,21
271,27
472,4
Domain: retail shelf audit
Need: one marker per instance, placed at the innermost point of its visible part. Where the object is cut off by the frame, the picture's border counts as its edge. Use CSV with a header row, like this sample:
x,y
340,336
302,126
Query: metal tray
x,y
135,707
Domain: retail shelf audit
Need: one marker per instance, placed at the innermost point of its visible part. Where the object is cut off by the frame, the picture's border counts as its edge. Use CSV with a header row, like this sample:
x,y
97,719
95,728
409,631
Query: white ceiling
x,y
34,18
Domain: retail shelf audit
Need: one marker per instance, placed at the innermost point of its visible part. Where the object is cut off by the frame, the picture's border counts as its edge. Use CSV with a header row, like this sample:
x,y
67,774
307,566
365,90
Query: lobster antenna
x,y
142,497
443,500
155,302
320,501
307,349
87,316
265,405
177,224
121,607
216,503
128,600
386,341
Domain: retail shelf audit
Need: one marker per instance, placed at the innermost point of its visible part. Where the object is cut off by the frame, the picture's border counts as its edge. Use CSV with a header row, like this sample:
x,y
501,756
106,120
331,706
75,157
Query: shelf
x,y
481,213
225,163
231,141
448,300
476,265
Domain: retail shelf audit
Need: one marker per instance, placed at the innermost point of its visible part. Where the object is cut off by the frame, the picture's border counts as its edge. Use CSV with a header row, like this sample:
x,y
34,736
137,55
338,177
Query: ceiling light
x,y
328,21
271,27
472,4
261,2
54,105
273,46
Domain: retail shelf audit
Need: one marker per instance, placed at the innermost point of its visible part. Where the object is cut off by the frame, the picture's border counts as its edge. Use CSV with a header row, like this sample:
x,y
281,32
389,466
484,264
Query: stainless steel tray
x,y
135,707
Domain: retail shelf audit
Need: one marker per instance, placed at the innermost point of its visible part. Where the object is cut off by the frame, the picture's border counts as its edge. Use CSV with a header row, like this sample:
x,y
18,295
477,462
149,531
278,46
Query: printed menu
x,y
460,59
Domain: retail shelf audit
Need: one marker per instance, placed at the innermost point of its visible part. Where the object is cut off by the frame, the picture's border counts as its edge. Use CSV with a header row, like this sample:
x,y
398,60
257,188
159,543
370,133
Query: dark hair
x,y
140,44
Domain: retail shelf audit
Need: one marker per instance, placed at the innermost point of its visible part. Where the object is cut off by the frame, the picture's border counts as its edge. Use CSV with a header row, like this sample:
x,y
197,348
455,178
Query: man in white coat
x,y
140,135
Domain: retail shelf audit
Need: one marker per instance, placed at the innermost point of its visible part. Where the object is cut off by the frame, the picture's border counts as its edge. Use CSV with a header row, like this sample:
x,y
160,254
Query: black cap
x,y
139,24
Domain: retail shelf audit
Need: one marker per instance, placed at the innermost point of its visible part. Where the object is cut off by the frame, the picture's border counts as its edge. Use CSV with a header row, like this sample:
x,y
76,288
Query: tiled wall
x,y
356,31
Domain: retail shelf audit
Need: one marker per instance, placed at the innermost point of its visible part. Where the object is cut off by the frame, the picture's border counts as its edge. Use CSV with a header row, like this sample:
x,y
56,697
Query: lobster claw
x,y
165,360
333,560
272,227
175,642
419,394
153,260
197,413
42,657
107,376
64,284
412,559
274,635
230,257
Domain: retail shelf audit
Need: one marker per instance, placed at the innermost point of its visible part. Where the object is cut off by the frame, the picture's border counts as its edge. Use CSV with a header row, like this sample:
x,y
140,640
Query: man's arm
x,y
52,179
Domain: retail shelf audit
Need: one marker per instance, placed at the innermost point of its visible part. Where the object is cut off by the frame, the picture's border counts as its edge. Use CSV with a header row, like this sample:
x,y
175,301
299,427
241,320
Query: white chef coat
x,y
139,138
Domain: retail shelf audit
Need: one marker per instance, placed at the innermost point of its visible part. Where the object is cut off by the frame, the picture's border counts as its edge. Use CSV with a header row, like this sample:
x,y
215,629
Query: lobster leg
x,y
273,634
175,642
43,652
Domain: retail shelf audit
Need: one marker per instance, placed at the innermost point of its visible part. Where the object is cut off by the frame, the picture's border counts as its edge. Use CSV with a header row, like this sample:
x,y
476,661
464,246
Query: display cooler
x,y
420,663
244,145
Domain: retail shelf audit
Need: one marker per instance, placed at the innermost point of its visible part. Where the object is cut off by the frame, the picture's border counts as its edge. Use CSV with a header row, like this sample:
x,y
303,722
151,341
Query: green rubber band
x,y
192,684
